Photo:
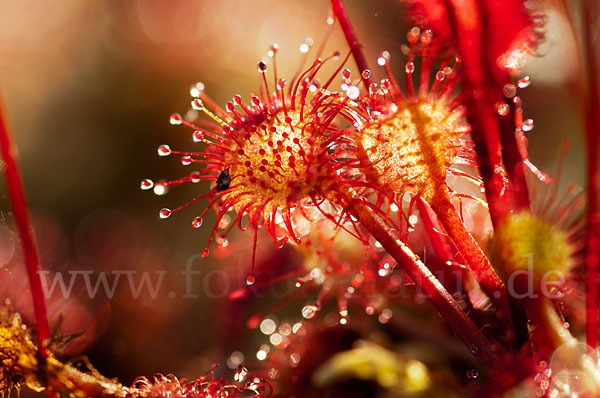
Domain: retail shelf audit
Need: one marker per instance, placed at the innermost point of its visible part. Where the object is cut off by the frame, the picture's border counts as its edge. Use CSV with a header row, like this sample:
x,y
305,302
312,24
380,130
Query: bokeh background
x,y
88,88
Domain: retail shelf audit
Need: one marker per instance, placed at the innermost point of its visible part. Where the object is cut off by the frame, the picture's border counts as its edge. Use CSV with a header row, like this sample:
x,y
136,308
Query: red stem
x,y
25,229
511,155
471,252
513,161
442,245
591,11
439,241
460,323
478,88
340,12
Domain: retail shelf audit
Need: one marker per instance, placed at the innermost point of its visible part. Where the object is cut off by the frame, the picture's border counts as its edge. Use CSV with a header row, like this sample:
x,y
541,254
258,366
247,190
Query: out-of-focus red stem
x,y
478,88
513,162
355,47
591,21
438,240
25,229
460,323
441,245
469,249
474,256
480,91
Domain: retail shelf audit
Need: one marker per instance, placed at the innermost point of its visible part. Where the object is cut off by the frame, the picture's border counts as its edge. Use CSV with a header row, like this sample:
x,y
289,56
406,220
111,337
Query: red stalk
x,y
460,323
479,90
478,86
511,155
355,47
513,162
438,239
25,229
442,246
471,252
591,11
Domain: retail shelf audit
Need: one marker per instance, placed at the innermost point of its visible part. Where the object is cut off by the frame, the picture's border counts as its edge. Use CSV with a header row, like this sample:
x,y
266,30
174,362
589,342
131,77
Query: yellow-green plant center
x,y
412,149
525,242
282,163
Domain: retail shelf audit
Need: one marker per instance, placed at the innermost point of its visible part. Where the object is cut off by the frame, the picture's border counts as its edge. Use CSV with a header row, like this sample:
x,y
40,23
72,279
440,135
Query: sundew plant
x,y
415,247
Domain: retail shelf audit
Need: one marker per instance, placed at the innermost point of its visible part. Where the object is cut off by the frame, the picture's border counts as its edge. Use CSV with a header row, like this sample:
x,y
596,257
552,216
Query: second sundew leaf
x,y
412,149
408,141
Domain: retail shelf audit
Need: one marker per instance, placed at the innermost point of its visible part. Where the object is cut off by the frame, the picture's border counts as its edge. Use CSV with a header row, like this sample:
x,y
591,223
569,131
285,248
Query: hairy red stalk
x,y
460,323
355,47
461,279
468,248
21,214
471,252
592,13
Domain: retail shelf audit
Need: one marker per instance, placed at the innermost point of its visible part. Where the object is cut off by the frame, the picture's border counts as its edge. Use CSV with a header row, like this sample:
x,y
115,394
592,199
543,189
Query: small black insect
x,y
223,180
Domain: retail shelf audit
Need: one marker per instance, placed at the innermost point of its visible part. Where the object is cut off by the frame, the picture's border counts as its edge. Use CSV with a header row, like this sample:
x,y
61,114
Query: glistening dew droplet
x,y
353,92
164,150
273,50
165,213
175,119
309,311
509,90
197,104
198,136
186,160
146,184
197,89
524,82
502,108
160,189
195,177
472,374
261,66
527,125
197,222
